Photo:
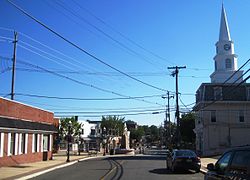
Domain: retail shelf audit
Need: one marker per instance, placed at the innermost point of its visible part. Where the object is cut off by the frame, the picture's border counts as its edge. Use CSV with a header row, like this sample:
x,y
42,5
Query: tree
x,y
114,125
64,127
154,133
137,133
187,124
151,134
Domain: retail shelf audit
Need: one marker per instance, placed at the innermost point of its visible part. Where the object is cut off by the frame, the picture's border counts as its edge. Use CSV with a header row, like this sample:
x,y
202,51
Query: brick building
x,y
26,133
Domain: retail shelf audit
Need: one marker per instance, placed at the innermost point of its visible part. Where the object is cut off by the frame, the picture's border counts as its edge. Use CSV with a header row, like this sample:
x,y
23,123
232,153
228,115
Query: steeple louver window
x,y
228,63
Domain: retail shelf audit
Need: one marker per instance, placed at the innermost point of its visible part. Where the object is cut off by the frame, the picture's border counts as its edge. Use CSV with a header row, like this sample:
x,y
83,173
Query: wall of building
x,y
227,131
26,157
12,110
21,111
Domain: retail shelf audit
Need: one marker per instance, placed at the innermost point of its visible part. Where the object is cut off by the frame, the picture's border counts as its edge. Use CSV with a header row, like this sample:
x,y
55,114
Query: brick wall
x,y
21,111
16,110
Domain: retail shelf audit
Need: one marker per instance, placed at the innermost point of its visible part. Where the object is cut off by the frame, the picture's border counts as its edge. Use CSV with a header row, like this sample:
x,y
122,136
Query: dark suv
x,y
233,164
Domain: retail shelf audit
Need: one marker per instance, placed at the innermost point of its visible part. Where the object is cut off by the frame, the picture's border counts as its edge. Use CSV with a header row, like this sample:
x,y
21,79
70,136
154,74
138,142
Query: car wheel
x,y
167,166
197,170
173,169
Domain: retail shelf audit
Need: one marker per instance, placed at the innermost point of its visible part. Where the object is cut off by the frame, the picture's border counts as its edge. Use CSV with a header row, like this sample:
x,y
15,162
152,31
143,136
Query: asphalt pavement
x,y
120,168
30,170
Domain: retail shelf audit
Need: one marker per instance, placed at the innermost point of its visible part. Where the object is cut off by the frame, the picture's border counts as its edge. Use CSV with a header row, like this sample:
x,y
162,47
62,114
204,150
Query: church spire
x,y
225,60
224,30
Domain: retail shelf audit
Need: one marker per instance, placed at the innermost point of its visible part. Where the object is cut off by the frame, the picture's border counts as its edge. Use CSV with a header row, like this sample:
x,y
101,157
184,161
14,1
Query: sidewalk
x,y
205,161
22,170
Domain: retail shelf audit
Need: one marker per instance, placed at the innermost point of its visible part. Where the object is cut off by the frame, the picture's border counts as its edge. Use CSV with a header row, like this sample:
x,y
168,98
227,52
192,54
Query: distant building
x,y
223,106
26,133
91,135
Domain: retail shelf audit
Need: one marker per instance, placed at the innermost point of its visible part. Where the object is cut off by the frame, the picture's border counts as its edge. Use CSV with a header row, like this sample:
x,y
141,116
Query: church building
x,y
223,106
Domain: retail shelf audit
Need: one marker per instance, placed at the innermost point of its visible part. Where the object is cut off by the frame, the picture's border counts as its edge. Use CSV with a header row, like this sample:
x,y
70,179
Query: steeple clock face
x,y
227,47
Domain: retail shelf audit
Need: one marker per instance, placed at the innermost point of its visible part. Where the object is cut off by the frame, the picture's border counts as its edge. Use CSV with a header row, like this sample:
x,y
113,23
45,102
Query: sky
x,y
97,58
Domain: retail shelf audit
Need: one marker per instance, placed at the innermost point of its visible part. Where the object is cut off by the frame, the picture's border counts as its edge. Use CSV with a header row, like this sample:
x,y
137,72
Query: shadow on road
x,y
156,157
165,171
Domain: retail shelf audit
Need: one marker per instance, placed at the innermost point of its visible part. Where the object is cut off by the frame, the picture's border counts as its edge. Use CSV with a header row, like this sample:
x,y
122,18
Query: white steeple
x,y
224,30
225,60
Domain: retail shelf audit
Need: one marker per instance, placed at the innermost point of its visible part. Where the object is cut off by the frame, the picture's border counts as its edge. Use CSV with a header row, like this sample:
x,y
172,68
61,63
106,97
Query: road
x,y
122,168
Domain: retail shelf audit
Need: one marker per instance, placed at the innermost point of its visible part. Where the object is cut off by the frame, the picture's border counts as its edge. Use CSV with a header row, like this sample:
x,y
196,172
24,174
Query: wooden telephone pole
x,y
13,67
167,122
175,73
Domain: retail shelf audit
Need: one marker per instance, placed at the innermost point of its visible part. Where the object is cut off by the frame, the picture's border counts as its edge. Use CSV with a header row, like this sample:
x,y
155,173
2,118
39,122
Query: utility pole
x,y
169,122
13,67
175,73
168,117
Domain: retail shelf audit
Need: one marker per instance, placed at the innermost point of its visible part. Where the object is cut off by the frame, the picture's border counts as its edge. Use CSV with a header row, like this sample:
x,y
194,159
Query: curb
x,y
46,171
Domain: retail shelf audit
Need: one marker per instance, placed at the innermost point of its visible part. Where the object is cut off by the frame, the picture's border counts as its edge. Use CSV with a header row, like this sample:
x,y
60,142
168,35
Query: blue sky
x,y
139,38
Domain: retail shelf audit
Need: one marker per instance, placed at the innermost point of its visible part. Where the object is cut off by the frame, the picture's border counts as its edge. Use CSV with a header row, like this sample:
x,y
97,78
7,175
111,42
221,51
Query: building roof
x,y
18,124
222,84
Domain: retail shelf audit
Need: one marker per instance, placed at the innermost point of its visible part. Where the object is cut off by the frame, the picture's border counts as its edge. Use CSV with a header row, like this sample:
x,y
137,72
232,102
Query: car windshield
x,y
185,153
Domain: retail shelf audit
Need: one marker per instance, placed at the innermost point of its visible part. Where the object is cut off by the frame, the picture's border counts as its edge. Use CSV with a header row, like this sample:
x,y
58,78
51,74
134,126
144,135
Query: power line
x,y
198,69
123,114
6,39
48,56
85,99
107,112
185,105
57,51
82,83
7,29
61,107
80,72
122,35
95,73
105,34
81,49
107,74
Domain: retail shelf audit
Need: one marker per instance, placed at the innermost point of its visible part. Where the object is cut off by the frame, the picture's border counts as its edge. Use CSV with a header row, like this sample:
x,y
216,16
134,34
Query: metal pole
x,y
79,144
169,125
169,110
13,67
68,148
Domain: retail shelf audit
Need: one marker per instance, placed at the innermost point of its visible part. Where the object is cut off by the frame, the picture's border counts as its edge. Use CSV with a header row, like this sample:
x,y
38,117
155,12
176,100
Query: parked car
x,y
183,160
233,164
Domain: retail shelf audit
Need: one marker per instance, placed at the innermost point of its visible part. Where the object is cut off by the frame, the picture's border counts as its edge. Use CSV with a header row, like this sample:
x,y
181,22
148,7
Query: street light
x,y
81,132
79,143
69,139
104,136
